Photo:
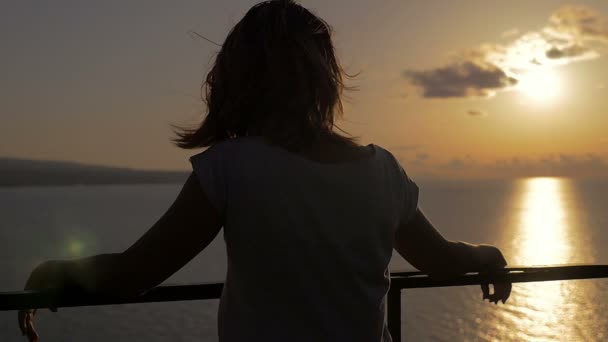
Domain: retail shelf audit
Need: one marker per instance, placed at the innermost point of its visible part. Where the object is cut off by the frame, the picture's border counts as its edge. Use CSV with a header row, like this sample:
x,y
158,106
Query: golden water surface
x,y
546,231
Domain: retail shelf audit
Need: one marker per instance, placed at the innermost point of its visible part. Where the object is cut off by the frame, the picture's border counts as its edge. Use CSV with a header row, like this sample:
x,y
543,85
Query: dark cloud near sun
x,y
466,78
574,50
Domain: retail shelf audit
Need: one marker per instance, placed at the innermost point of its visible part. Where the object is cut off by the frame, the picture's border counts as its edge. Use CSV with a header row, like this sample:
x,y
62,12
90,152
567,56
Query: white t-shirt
x,y
308,243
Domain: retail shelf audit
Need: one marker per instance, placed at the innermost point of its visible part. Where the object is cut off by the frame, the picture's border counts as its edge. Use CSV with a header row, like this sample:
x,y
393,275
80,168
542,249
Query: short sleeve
x,y
409,191
403,189
210,169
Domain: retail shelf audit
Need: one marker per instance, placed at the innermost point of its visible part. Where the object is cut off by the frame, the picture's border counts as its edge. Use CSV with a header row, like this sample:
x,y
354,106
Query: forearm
x,y
461,258
100,274
426,249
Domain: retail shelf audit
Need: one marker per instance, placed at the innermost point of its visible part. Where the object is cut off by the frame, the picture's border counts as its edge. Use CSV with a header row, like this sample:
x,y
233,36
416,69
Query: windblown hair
x,y
275,76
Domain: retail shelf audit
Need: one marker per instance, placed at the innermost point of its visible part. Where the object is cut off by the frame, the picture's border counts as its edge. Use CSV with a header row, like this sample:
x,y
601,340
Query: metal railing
x,y
399,281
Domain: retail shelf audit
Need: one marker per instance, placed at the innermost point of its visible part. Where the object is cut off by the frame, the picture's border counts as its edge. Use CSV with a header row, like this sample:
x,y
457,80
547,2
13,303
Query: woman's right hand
x,y
491,260
418,242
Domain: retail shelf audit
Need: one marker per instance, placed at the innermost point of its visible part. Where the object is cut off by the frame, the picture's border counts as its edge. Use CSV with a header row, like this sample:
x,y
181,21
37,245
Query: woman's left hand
x,y
48,275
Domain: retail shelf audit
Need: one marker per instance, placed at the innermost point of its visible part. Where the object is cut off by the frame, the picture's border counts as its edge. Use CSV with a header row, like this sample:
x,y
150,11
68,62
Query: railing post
x,y
394,312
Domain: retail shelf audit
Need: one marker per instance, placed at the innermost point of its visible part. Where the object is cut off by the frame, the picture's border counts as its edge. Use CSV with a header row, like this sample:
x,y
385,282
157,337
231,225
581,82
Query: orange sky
x,y
454,89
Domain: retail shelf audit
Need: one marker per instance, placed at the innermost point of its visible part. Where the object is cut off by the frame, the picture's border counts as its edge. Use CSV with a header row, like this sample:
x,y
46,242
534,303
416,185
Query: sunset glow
x,y
516,92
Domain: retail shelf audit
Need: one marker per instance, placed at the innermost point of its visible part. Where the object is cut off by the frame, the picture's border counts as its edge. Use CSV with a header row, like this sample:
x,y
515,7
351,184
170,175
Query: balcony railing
x,y
399,281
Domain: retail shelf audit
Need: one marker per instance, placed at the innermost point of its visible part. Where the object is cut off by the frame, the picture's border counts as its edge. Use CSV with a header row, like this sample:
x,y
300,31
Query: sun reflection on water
x,y
544,234
543,230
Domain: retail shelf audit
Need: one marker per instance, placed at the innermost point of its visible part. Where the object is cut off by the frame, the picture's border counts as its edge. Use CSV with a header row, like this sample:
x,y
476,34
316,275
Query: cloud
x,y
413,155
571,35
567,51
460,79
589,165
579,22
535,50
422,157
551,165
559,165
456,163
477,113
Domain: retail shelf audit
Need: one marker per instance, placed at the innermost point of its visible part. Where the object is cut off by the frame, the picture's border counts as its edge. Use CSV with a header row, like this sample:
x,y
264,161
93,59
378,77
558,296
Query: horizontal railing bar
x,y
401,280
552,268
412,280
51,298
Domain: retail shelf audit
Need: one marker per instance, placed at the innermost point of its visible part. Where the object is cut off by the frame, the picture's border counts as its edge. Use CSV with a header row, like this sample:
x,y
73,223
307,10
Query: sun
x,y
541,85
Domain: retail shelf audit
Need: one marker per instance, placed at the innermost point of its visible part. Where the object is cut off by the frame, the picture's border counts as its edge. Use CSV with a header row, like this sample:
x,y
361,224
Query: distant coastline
x,y
25,172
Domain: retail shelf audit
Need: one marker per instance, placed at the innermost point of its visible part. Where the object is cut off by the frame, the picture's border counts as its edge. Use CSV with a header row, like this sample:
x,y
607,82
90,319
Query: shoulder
x,y
224,148
225,153
386,155
393,164
224,145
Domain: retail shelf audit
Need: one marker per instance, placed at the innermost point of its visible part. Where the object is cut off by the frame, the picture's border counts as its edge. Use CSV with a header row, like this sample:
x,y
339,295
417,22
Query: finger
x,y
485,290
22,318
32,335
494,298
21,321
507,294
502,291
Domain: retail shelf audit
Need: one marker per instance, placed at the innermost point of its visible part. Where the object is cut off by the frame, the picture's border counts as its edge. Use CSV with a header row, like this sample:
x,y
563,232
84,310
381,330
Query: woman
x,y
310,217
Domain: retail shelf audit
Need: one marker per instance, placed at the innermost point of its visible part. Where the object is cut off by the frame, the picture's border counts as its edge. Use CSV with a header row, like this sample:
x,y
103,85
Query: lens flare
x,y
75,248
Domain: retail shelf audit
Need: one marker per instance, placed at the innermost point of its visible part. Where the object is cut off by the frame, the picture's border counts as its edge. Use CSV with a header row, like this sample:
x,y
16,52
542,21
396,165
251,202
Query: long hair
x,y
276,76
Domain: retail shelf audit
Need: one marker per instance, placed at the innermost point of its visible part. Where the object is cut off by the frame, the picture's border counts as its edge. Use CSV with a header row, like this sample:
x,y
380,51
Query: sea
x,y
534,221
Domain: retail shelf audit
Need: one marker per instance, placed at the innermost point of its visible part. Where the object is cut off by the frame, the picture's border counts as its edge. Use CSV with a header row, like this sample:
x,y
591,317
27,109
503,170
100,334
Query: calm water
x,y
535,221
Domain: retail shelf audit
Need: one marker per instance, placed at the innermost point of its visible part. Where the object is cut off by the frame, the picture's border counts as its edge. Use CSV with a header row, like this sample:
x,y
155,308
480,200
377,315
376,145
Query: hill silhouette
x,y
26,172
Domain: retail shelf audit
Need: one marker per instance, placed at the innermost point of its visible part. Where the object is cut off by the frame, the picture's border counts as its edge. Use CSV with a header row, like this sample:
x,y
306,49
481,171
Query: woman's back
x,y
308,242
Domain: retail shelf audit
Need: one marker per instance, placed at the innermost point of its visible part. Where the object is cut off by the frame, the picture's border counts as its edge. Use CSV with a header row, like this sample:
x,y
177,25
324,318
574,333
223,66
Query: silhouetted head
x,y
275,76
